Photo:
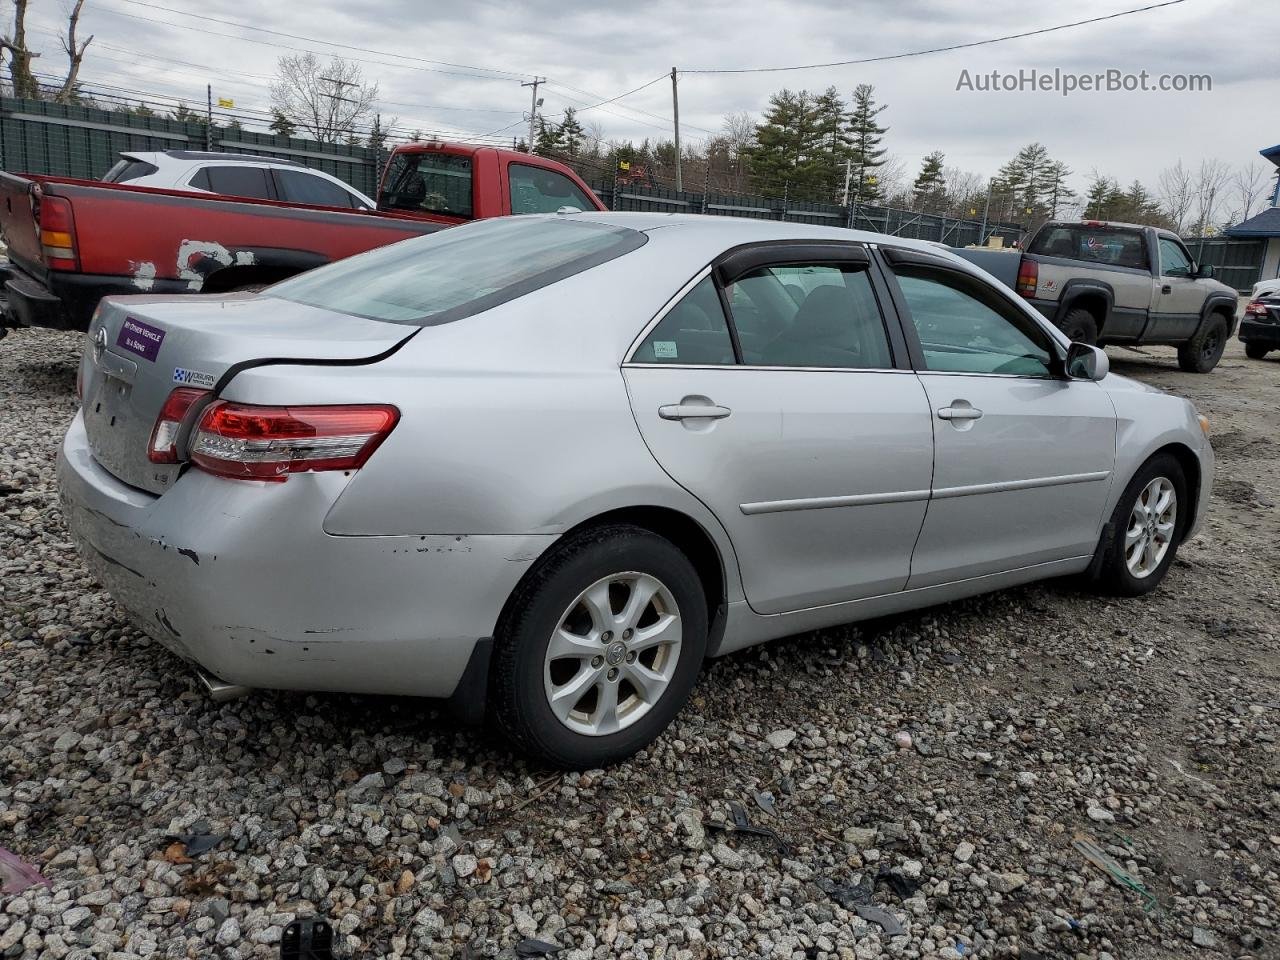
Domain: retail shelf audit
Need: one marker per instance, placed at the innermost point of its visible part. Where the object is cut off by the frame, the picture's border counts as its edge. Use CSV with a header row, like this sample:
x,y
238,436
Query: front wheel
x,y
599,647
1256,351
1202,352
1145,529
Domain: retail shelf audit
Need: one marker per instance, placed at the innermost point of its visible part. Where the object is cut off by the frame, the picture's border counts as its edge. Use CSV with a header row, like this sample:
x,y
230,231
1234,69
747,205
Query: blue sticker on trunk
x,y
140,338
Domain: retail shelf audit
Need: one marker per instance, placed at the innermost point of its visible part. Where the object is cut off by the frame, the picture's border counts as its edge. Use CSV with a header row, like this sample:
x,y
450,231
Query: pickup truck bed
x,y
130,240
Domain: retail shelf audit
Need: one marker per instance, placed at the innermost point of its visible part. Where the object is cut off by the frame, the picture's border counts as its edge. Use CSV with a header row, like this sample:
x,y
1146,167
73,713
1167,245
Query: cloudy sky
x,y
455,68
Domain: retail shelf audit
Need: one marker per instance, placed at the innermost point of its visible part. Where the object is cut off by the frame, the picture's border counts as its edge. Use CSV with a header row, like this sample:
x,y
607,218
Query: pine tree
x,y
548,138
784,156
929,190
832,142
865,136
571,133
377,134
184,114
282,125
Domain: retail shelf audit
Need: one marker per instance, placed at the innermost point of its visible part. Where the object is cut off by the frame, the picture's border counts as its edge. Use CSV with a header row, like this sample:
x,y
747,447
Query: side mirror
x,y
1204,271
1086,363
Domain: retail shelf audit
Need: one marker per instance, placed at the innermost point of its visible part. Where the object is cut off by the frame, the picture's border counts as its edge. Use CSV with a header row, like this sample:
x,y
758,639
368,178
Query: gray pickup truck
x,y
1119,283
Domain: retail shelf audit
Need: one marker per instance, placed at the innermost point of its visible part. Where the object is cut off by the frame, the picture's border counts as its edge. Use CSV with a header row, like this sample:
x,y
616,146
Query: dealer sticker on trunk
x,y
140,338
194,378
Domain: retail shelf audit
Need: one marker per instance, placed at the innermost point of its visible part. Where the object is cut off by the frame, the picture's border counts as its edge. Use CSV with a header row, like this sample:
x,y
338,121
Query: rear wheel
x,y
1080,326
1255,351
599,648
1202,352
1146,526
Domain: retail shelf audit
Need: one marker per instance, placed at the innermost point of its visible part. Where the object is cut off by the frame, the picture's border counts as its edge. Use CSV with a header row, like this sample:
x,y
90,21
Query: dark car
x,y
1260,327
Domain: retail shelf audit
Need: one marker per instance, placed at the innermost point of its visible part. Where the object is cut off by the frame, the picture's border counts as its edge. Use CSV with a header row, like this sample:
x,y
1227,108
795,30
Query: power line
x,y
954,46
328,43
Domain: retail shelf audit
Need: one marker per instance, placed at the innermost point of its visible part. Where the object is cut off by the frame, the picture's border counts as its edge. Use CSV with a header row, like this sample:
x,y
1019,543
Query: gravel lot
x,y
938,766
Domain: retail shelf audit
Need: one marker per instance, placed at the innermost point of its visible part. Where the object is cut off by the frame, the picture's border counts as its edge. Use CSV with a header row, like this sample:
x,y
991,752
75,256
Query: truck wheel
x,y
1202,352
1080,326
1255,351
599,647
1146,526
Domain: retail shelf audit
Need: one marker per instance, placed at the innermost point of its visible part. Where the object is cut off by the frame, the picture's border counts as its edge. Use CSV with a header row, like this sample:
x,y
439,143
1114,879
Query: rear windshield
x,y
126,170
1117,246
460,271
428,183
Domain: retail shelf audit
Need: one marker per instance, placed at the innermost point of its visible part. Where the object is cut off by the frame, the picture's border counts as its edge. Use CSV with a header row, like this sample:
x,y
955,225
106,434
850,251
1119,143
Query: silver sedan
x,y
545,466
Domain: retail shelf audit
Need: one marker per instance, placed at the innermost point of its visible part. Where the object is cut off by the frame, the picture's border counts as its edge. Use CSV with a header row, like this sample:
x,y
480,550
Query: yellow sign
x,y
226,103
624,165
973,211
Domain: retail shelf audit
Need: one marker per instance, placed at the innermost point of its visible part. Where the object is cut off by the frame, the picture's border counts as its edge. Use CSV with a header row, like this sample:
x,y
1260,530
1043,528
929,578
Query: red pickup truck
x,y
72,242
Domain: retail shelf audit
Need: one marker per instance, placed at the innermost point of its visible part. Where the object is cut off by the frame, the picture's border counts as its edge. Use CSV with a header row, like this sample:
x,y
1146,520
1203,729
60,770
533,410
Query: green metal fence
x,y
73,141
1236,261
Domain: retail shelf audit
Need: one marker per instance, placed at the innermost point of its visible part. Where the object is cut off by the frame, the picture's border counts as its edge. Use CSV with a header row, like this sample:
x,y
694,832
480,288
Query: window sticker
x,y
665,349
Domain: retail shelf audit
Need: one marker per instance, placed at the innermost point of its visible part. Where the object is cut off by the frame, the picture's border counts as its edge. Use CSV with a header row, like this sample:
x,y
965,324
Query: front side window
x,y
234,181
694,331
809,315
461,271
1173,261
534,190
437,183
296,186
965,329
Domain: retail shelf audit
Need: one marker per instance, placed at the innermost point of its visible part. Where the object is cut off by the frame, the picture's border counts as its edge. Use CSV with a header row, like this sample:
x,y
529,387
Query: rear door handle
x,y
693,411
965,412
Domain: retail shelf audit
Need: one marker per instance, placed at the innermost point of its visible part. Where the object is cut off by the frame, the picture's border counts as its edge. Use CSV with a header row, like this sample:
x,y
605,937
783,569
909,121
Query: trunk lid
x,y
139,349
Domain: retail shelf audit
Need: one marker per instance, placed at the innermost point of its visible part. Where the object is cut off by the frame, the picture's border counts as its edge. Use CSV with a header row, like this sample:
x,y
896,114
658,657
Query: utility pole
x,y
848,173
533,108
982,232
675,114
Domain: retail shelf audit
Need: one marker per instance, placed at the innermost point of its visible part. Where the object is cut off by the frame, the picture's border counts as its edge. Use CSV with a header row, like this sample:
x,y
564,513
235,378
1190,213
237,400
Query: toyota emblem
x,y
99,344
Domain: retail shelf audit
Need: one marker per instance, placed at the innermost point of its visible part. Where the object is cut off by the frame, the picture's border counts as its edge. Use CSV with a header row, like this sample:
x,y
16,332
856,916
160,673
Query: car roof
x,y
147,156
719,233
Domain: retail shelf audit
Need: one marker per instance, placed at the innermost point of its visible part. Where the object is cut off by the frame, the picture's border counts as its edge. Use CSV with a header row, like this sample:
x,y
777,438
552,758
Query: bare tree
x,y
14,43
328,101
75,53
965,192
1176,191
1207,190
1247,188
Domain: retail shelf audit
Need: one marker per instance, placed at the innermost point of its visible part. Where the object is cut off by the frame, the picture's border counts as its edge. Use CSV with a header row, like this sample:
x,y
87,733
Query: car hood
x,y
1115,383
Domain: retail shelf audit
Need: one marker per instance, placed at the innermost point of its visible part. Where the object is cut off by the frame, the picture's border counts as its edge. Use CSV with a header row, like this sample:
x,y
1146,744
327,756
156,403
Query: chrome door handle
x,y
960,413
693,411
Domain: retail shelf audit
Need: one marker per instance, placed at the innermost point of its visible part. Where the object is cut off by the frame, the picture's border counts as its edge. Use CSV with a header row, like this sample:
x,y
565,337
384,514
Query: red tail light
x,y
56,230
269,443
1028,277
163,447
1255,309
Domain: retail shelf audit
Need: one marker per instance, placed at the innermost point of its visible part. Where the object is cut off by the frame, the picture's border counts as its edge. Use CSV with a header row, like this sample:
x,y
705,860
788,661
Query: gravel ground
x,y
930,772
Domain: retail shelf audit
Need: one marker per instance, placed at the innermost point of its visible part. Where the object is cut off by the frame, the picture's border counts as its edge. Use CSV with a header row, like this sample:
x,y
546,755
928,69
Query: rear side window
x,y
234,181
126,170
1101,244
462,271
295,186
428,183
534,190
694,331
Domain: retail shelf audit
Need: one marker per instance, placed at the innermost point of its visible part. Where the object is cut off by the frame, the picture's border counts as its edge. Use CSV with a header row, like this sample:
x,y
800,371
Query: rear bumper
x,y
240,579
66,301
1255,331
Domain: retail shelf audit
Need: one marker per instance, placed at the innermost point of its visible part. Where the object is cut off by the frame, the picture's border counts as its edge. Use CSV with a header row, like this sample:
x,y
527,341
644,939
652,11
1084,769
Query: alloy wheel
x,y
613,654
1152,523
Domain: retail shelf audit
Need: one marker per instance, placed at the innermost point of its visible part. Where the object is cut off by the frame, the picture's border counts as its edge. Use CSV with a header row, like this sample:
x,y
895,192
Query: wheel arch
x,y
1092,295
255,265
1190,464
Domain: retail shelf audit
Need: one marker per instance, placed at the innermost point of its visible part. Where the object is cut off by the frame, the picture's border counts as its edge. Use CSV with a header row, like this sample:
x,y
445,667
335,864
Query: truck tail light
x,y
56,231
1028,277
269,443
163,447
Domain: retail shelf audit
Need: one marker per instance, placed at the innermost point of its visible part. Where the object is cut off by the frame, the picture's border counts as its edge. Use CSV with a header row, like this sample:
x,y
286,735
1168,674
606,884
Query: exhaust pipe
x,y
219,690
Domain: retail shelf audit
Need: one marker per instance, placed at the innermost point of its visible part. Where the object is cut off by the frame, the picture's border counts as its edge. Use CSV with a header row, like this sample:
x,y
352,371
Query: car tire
x,y
1202,352
560,598
1080,326
1256,351
1117,574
